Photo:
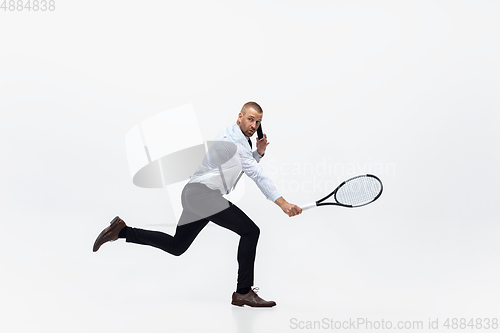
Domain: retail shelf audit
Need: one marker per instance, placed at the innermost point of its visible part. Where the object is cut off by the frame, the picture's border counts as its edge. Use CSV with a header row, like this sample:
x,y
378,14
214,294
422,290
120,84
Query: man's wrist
x,y
280,201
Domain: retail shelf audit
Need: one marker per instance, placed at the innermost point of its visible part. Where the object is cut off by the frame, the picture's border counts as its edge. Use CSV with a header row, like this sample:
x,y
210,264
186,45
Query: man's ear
x,y
240,115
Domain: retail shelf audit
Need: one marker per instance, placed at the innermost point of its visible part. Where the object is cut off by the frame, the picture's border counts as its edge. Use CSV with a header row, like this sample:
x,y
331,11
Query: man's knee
x,y
178,250
250,231
255,231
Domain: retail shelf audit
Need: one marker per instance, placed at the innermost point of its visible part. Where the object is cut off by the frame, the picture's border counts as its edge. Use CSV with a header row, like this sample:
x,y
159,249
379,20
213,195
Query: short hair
x,y
251,105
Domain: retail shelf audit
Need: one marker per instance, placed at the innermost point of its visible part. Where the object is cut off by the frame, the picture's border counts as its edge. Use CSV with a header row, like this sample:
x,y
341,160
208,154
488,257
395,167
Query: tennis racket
x,y
355,192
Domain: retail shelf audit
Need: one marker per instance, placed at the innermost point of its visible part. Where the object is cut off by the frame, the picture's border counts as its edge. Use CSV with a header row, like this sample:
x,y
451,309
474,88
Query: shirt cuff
x,y
256,155
274,196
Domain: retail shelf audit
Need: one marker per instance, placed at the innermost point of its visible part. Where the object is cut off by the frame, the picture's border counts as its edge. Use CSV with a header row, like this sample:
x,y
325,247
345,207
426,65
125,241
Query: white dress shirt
x,y
230,157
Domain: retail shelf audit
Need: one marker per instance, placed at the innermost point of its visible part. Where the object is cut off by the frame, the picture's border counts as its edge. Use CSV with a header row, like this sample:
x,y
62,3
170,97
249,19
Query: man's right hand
x,y
288,208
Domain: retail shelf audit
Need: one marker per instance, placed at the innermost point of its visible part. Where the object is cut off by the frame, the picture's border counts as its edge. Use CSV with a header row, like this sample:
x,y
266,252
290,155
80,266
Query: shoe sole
x,y
252,306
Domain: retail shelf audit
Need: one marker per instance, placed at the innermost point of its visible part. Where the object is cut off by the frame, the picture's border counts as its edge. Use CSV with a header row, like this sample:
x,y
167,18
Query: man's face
x,y
249,122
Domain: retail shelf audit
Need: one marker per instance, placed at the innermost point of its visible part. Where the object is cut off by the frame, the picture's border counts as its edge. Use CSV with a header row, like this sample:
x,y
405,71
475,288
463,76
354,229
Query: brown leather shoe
x,y
251,299
110,233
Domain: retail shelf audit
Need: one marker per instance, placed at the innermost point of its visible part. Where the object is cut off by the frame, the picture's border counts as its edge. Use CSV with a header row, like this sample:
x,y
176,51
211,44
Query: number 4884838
x,y
29,5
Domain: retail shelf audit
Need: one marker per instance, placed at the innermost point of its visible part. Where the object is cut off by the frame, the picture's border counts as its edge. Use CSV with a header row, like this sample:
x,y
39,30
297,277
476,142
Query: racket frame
x,y
334,193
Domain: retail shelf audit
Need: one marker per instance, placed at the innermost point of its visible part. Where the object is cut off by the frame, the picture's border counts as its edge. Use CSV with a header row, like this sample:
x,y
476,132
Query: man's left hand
x,y
261,144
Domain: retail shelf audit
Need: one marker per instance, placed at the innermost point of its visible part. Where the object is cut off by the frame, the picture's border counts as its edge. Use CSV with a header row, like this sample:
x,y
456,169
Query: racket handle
x,y
308,206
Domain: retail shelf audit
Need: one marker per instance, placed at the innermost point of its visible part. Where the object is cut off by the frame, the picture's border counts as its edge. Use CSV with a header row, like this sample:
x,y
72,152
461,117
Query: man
x,y
202,201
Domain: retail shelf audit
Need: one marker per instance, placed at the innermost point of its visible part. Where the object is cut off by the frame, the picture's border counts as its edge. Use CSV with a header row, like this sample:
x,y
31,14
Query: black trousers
x,y
200,206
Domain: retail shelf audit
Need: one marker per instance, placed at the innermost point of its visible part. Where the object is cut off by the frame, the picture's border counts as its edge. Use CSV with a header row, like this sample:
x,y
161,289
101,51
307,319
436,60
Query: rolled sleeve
x,y
256,155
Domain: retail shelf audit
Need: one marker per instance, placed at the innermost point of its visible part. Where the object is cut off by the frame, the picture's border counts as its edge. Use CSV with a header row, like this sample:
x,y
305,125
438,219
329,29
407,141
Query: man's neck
x,y
242,131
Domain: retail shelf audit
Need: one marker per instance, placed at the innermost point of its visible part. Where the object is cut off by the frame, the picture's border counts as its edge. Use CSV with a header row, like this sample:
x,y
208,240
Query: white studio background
x,y
407,90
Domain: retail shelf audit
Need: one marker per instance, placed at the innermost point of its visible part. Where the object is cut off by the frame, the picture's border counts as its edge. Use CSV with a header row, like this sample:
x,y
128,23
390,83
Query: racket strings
x,y
359,191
